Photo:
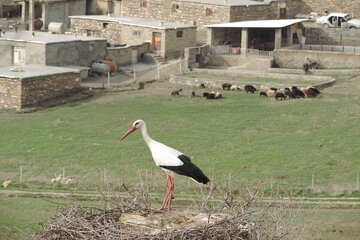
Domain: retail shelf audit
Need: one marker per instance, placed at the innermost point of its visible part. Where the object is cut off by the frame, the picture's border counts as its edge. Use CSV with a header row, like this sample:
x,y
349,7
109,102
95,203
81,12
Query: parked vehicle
x,y
339,20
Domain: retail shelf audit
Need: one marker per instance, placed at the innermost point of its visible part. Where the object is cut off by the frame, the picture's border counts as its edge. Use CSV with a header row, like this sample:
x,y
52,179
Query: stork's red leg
x,y
171,190
166,199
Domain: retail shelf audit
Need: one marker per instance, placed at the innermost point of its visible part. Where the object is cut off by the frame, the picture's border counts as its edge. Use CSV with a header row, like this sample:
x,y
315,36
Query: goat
x,y
6,183
263,94
218,95
271,93
141,85
250,88
235,88
202,85
274,89
297,92
226,86
176,92
280,95
193,94
208,95
288,93
311,91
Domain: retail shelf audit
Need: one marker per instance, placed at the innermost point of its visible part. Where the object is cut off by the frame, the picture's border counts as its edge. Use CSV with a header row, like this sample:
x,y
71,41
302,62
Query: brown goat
x,y
279,95
226,86
176,92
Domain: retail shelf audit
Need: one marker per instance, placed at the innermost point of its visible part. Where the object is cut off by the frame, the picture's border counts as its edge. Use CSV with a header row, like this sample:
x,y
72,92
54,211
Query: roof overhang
x,y
278,23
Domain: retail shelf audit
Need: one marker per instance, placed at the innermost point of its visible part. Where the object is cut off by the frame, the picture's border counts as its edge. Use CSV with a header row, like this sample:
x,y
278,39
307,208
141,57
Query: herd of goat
x,y
279,94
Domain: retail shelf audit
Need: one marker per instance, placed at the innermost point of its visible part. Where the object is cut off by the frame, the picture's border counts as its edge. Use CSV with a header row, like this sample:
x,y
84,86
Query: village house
x,y
45,48
38,66
166,39
46,11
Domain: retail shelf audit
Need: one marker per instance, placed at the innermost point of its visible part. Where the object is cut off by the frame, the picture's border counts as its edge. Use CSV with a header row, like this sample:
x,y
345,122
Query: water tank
x,y
56,27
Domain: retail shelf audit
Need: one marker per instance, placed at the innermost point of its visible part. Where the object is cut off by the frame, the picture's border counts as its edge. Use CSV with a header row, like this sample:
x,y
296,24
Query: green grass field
x,y
250,138
243,135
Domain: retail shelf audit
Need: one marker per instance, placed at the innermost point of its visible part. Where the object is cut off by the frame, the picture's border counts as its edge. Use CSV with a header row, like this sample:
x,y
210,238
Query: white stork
x,y
170,160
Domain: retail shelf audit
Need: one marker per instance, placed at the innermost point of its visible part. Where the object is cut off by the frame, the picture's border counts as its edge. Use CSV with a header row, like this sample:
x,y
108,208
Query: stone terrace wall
x,y
333,36
19,93
320,6
10,93
38,89
295,58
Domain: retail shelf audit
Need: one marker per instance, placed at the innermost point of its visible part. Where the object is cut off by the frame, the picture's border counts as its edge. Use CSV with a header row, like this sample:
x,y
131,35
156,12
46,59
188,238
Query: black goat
x,y
297,92
263,94
250,88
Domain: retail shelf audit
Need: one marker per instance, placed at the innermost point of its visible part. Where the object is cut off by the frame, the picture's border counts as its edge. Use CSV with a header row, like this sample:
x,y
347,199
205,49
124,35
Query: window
x,y
136,33
105,25
209,12
179,34
175,7
143,3
19,55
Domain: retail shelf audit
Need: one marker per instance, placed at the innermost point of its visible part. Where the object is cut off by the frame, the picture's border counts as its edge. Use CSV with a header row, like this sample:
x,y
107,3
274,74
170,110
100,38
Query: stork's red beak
x,y
128,133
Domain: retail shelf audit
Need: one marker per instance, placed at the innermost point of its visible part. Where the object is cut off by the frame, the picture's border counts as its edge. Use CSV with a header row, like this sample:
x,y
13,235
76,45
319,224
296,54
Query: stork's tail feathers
x,y
189,169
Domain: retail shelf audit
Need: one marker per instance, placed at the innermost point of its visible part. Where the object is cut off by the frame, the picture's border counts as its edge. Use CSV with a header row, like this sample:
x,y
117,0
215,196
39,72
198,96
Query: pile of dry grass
x,y
229,215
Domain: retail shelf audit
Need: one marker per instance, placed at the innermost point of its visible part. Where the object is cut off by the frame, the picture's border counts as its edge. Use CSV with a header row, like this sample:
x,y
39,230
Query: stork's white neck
x,y
145,135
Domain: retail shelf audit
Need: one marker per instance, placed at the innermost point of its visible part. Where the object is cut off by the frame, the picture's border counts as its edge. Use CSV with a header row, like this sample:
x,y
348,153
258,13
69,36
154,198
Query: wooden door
x,y
157,41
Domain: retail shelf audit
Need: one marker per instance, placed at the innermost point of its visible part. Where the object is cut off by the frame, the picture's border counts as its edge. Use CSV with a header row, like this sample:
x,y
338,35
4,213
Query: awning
x,y
278,23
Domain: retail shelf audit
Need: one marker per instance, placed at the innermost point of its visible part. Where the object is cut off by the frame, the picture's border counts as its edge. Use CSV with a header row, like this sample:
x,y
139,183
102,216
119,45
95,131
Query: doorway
x,y
156,41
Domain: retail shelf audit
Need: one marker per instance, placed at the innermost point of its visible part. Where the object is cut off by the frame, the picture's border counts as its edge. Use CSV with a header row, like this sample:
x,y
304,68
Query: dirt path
x,y
343,202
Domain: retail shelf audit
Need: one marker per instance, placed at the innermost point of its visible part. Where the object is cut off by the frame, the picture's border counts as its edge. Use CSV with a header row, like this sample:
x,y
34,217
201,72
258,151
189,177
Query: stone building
x,y
203,12
166,39
43,48
51,11
32,84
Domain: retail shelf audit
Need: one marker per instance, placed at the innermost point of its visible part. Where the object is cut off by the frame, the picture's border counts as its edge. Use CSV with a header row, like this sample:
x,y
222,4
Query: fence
x,y
136,73
315,182
328,48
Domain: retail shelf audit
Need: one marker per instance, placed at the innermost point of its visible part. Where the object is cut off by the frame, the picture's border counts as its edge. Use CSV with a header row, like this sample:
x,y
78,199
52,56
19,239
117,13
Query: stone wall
x,y
332,36
10,93
81,53
123,55
19,93
177,11
112,31
295,58
320,6
117,33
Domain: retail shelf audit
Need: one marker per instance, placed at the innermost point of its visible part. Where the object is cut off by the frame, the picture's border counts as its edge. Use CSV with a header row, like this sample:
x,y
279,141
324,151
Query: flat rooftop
x,y
45,37
229,2
28,71
278,23
143,22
